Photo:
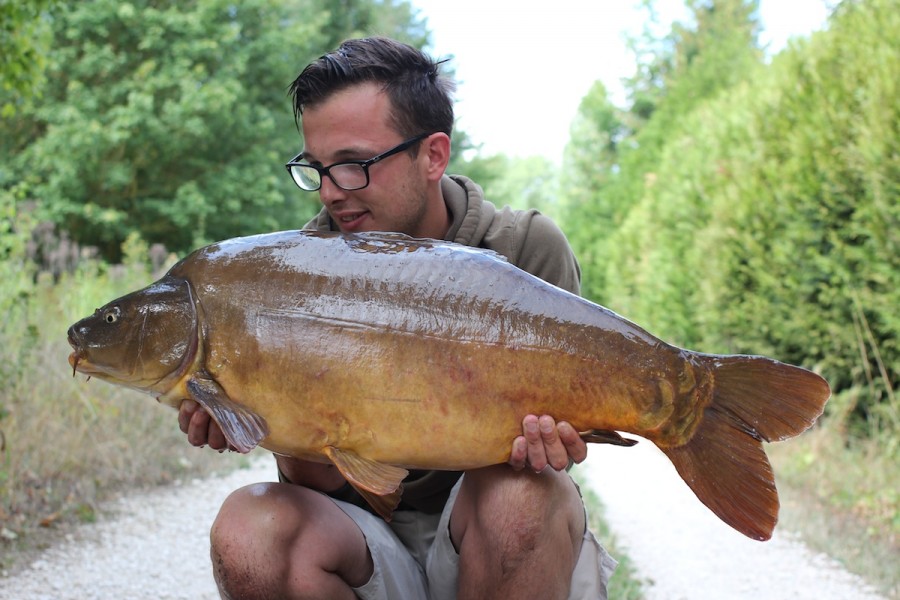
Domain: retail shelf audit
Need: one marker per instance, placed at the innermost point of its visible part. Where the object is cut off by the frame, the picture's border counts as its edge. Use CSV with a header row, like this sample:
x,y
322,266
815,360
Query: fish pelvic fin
x,y
754,399
380,484
242,428
605,436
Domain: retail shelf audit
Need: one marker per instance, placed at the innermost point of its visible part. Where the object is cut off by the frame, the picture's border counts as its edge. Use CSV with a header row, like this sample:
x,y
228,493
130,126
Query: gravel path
x,y
685,552
156,545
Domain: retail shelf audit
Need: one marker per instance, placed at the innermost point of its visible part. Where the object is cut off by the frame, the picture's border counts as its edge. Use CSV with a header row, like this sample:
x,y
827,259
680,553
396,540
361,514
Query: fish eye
x,y
111,315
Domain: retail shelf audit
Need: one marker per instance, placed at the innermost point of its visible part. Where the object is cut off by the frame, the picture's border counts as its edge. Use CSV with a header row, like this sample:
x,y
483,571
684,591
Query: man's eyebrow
x,y
341,155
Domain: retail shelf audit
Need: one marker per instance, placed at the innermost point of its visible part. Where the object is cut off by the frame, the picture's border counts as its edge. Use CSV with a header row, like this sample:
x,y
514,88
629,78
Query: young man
x,y
376,118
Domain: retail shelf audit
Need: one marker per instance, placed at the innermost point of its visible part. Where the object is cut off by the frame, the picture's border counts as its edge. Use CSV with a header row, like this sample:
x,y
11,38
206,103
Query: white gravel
x,y
152,546
156,546
684,552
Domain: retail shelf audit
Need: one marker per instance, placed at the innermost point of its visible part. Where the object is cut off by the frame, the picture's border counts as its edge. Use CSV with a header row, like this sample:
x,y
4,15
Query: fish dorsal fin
x,y
393,242
387,235
243,428
380,484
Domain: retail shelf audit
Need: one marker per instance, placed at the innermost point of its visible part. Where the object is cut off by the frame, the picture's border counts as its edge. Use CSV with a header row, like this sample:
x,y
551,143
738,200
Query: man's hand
x,y
202,431
200,428
545,442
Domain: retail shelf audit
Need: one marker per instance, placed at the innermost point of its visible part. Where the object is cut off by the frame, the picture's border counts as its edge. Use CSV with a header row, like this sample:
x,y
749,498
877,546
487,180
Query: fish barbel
x,y
380,352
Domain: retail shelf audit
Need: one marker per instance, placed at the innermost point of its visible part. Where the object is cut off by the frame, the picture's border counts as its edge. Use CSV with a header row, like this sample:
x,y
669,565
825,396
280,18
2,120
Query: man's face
x,y
354,124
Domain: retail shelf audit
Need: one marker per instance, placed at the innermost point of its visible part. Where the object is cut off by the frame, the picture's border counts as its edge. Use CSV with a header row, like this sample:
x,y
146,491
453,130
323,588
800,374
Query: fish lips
x,y
77,358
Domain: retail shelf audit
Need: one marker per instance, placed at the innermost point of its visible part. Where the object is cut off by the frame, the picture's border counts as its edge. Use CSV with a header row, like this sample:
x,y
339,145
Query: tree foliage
x,y
590,166
171,119
694,62
23,43
762,217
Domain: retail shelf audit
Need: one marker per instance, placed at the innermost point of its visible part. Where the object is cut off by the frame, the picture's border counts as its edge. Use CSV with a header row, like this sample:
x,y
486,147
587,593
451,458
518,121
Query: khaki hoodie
x,y
529,240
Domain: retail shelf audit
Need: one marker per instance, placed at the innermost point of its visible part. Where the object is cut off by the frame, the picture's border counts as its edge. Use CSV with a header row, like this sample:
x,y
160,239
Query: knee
x,y
254,512
522,494
522,510
250,539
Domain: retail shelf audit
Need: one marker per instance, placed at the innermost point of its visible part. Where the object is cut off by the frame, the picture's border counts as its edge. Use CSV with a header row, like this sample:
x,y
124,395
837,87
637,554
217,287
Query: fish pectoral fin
x,y
380,484
243,428
605,436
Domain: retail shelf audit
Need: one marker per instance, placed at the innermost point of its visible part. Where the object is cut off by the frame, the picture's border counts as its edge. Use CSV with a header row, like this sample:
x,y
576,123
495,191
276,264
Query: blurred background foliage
x,y
171,119
749,206
735,202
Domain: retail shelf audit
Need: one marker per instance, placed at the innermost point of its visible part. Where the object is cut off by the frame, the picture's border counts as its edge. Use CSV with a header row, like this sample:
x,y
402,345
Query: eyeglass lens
x,y
348,176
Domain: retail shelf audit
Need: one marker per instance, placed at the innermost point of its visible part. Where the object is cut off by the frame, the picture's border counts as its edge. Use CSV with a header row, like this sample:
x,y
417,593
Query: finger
x,y
554,449
537,455
519,453
576,447
185,412
215,437
198,429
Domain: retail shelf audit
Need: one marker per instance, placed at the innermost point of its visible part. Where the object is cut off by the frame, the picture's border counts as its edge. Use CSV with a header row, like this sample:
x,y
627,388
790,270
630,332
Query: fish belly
x,y
423,401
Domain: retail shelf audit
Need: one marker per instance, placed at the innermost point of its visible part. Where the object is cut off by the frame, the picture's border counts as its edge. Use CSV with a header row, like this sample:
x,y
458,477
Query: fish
x,y
380,353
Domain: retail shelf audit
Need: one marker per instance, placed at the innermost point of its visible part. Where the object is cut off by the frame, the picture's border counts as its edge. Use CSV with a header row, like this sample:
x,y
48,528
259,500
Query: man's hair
x,y
420,96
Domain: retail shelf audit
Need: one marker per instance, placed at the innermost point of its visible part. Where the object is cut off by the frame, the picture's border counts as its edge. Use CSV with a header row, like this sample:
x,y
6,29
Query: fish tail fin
x,y
755,399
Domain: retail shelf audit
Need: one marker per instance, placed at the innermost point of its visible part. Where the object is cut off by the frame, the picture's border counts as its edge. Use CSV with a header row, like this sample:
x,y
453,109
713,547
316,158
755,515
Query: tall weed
x,y
68,443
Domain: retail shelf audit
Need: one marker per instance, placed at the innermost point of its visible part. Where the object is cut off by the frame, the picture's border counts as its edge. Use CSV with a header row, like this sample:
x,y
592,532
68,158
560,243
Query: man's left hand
x,y
545,442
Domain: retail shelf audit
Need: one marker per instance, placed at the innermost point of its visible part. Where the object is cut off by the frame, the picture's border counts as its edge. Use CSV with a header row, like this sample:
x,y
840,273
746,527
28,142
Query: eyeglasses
x,y
348,175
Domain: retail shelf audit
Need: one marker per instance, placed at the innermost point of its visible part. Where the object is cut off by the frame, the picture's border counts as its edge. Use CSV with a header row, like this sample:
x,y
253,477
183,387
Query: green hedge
x,y
772,225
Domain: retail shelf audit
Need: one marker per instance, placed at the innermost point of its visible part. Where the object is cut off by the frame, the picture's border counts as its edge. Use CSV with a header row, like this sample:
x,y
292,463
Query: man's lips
x,y
349,220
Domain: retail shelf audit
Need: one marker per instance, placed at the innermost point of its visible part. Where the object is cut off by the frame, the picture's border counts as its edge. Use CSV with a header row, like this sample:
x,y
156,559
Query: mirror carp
x,y
381,353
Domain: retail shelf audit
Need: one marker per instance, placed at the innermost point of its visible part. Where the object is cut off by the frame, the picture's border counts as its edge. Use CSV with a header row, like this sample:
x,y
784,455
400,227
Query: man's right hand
x,y
200,428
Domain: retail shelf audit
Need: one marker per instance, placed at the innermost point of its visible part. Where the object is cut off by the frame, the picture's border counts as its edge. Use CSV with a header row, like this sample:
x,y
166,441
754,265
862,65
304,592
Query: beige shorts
x,y
415,559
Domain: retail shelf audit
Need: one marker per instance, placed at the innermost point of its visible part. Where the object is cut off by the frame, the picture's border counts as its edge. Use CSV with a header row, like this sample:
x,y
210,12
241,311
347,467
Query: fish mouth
x,y
80,364
76,358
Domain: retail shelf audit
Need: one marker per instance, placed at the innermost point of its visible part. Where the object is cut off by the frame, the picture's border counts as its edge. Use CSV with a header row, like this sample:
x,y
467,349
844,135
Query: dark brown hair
x,y
420,96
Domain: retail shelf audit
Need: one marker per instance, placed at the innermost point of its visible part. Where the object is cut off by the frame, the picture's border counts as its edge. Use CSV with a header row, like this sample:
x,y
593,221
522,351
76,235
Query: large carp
x,y
379,352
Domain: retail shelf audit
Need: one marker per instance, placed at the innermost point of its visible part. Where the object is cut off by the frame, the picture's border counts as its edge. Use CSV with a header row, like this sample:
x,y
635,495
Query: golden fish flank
x,y
376,352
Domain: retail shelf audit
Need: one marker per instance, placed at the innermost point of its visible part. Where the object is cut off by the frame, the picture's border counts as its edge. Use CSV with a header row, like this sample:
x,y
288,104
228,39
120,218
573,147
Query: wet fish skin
x,y
378,353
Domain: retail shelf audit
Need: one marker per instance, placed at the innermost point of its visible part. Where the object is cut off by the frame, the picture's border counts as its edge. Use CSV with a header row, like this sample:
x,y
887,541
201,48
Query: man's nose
x,y
329,191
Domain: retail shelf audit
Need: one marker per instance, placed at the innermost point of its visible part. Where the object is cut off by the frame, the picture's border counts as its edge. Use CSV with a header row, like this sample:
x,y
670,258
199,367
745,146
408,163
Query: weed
x,y
68,444
841,494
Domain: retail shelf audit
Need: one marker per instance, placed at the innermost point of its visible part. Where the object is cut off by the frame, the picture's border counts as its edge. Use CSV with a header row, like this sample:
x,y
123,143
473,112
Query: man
x,y
376,118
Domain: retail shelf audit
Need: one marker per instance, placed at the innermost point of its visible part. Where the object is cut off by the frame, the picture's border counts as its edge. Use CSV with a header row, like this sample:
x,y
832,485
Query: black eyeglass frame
x,y
364,164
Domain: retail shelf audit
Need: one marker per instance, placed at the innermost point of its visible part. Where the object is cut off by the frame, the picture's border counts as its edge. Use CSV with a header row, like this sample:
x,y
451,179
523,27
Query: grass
x,y
842,495
69,444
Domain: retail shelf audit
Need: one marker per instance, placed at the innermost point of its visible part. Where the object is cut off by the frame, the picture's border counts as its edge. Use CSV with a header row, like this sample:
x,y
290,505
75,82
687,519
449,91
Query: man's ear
x,y
436,151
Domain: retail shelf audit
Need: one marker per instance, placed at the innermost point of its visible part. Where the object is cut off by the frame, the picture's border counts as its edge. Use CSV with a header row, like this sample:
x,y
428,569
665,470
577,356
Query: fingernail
x,y
546,425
